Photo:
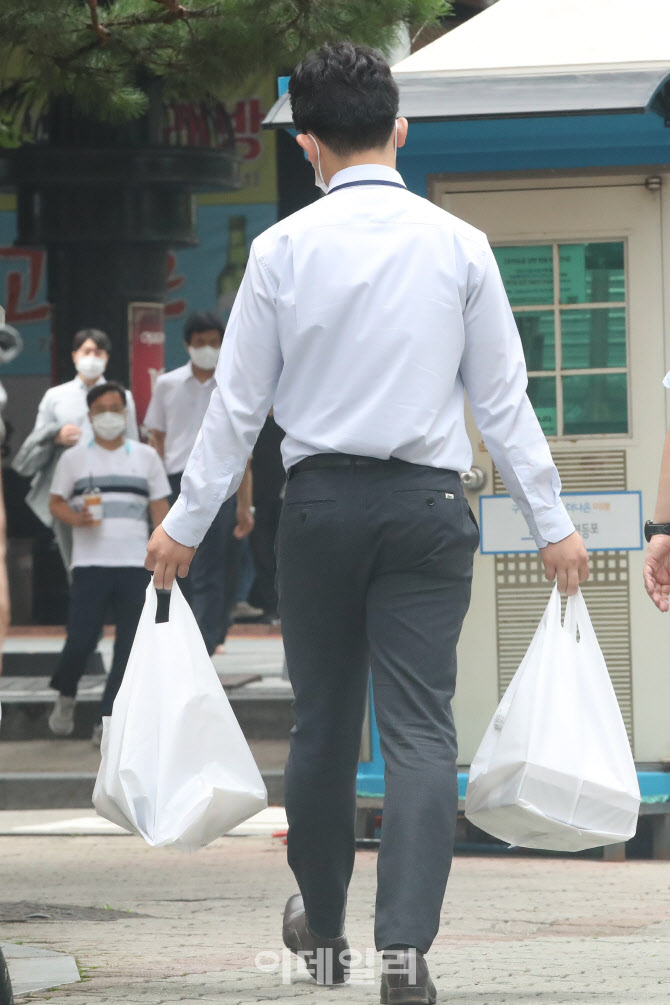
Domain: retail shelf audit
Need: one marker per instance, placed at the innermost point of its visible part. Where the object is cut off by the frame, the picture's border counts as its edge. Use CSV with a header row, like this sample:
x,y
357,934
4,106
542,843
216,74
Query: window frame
x,y
557,372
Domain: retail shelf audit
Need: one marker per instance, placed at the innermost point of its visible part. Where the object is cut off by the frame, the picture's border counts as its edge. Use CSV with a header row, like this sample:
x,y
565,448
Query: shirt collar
x,y
365,172
126,446
101,380
191,376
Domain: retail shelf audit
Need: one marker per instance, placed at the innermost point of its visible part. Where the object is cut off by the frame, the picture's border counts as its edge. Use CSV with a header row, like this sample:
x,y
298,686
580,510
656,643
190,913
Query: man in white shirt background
x,y
178,404
109,543
365,318
62,421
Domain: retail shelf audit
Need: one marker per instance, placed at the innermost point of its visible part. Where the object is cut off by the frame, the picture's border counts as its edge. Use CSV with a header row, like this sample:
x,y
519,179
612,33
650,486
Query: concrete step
x,y
250,673
74,790
38,663
59,774
262,710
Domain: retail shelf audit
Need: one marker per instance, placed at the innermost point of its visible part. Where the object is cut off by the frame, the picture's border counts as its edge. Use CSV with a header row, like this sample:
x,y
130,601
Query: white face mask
x,y
318,175
205,356
91,367
108,425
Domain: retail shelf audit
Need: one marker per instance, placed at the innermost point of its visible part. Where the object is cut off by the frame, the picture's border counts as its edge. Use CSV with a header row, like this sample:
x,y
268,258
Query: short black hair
x,y
98,390
346,94
203,321
101,340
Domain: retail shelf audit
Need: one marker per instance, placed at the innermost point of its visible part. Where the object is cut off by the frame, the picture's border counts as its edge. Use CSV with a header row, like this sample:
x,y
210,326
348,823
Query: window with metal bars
x,y
569,302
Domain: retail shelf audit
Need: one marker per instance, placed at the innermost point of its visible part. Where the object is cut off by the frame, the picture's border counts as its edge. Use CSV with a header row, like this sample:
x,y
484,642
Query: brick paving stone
x,y
515,931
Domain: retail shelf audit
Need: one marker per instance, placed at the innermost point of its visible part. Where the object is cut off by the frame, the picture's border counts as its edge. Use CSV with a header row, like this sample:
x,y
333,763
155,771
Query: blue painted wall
x,y
489,146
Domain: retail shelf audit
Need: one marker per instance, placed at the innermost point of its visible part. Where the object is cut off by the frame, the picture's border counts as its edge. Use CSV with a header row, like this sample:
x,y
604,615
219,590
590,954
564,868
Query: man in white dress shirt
x,y
62,421
364,318
177,408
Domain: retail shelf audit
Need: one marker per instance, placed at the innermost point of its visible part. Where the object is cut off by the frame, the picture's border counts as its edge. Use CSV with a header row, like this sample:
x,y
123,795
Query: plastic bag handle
x,y
162,606
577,617
570,620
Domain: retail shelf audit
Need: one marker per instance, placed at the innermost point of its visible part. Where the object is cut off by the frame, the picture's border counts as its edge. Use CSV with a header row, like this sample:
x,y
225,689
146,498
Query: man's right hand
x,y
68,435
83,518
657,571
567,561
166,558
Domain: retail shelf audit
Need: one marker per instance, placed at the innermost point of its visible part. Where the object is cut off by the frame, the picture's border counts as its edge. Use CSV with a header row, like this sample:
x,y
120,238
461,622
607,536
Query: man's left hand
x,y
245,523
166,558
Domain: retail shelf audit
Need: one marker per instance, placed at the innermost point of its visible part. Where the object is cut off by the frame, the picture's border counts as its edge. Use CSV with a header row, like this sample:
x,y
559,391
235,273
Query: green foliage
x,y
98,53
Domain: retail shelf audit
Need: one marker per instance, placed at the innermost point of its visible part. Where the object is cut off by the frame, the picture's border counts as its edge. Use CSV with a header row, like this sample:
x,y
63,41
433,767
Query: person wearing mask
x,y
62,421
365,318
105,488
177,408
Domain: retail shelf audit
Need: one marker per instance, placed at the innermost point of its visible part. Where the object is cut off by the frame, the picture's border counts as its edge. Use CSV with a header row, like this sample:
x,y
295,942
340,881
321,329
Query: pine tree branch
x,y
174,9
102,33
187,14
222,40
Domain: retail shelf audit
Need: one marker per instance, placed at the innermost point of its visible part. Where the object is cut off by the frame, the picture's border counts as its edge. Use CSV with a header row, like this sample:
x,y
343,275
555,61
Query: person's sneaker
x,y
96,736
61,720
243,610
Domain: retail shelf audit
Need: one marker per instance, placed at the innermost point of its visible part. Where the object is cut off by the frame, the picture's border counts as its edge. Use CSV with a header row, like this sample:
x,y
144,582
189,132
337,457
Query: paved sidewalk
x,y
175,928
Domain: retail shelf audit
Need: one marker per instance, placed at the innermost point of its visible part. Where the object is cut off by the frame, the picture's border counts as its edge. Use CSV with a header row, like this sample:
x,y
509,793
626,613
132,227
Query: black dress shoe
x,y
327,960
405,979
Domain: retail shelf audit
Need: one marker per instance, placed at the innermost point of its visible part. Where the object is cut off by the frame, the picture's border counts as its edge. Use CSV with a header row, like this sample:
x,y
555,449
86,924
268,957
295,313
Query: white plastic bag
x,y
555,769
175,768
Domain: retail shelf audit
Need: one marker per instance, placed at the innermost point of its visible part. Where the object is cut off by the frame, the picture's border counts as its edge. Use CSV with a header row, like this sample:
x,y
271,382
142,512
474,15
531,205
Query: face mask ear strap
x,y
318,160
395,139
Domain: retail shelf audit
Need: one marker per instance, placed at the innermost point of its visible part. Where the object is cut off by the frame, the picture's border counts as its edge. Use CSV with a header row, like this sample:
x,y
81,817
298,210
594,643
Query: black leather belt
x,y
344,461
340,461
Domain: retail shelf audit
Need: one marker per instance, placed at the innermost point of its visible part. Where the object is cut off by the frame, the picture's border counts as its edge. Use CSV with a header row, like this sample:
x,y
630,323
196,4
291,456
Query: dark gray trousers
x,y
374,571
210,585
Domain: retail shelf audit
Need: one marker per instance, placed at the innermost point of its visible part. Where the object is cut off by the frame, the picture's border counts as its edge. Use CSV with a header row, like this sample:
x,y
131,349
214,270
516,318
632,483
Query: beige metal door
x,y
582,263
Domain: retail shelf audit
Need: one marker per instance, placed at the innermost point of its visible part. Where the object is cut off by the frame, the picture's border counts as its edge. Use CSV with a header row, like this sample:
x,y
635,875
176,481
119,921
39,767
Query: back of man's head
x,y
346,95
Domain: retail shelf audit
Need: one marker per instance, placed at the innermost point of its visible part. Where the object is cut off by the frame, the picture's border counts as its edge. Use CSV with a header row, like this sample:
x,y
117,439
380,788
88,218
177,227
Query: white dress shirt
x,y
67,403
364,318
177,408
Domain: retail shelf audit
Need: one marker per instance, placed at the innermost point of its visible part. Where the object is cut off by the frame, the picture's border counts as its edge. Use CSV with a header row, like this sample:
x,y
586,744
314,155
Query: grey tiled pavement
x,y
532,930
32,968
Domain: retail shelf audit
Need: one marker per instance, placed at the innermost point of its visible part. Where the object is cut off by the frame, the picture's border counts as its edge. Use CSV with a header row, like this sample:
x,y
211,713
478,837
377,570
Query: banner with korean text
x,y
608,521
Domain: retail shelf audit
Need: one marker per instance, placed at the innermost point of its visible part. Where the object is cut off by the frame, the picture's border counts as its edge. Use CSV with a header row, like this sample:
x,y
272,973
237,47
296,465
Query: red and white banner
x,y
146,352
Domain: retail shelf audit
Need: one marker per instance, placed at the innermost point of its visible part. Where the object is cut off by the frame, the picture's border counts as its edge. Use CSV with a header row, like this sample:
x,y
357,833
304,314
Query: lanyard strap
x,y
370,181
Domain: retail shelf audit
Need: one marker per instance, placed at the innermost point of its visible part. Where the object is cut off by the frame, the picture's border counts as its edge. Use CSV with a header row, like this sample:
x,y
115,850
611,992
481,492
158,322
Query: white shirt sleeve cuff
x,y
182,526
552,526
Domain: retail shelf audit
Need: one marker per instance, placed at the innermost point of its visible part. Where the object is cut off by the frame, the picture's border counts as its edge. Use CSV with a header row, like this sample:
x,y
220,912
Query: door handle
x,y
474,480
